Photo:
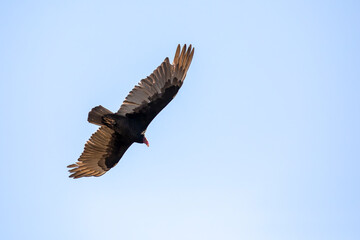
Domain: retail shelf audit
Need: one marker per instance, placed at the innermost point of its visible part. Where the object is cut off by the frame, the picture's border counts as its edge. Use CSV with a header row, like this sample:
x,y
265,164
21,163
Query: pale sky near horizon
x,y
262,141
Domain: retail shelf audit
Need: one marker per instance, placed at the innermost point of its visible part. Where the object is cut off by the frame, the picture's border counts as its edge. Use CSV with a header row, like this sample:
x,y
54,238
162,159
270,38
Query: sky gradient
x,y
262,141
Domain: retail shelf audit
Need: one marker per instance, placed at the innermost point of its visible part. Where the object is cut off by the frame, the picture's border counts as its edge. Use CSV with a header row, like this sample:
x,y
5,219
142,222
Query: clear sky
x,y
262,141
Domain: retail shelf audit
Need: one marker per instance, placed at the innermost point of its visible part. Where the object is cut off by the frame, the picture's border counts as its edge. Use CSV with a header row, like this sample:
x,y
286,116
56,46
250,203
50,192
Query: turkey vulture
x,y
119,130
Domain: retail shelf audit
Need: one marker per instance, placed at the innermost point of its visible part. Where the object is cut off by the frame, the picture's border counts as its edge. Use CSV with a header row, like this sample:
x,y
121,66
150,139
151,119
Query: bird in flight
x,y
118,131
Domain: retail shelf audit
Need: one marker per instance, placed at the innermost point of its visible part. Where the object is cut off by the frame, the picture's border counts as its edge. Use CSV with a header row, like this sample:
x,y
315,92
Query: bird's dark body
x,y
118,131
130,129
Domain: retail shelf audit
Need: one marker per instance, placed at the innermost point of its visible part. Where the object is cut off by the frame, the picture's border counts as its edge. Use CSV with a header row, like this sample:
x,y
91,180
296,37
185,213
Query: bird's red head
x,y
146,141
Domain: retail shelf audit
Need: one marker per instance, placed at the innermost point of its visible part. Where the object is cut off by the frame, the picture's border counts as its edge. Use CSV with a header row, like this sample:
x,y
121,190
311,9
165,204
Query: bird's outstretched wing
x,y
102,151
153,93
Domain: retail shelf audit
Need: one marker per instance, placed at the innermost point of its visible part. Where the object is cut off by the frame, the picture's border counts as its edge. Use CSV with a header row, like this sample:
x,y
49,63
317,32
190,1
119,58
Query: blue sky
x,y
262,141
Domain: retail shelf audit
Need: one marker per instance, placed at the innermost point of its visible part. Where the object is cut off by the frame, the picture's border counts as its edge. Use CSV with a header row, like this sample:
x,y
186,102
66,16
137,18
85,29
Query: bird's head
x,y
145,141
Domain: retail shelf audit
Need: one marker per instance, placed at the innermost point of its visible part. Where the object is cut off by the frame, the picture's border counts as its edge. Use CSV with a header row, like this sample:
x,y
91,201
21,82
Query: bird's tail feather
x,y
96,115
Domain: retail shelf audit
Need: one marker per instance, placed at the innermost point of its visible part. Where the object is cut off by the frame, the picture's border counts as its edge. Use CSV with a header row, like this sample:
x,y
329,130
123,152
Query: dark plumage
x,y
119,130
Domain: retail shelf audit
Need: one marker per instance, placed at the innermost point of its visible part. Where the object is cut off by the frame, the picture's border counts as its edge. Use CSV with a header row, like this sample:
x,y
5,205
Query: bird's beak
x,y
146,142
